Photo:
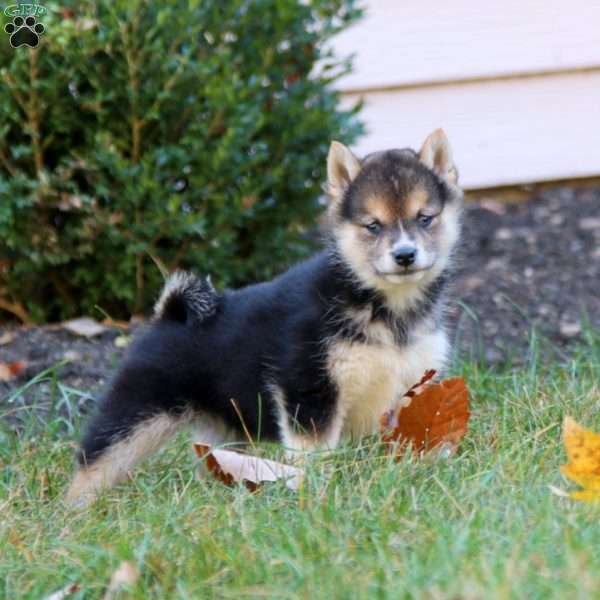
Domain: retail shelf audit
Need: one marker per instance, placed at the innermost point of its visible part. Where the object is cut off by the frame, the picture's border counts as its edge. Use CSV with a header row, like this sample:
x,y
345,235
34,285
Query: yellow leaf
x,y
585,480
583,451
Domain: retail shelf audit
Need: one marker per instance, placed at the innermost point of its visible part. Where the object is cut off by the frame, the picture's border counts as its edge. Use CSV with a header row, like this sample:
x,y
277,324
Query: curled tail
x,y
186,298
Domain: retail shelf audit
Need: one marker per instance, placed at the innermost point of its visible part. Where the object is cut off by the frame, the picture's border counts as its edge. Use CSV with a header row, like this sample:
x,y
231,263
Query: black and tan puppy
x,y
319,352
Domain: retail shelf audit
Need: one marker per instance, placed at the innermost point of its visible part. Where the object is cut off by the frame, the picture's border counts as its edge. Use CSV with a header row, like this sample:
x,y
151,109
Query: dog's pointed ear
x,y
342,168
437,155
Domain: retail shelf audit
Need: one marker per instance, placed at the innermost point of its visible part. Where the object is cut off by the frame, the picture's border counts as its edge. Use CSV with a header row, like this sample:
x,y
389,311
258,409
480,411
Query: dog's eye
x,y
425,220
374,227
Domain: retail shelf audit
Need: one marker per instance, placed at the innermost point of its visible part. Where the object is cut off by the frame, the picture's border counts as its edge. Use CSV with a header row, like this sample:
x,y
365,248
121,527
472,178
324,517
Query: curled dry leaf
x,y
125,576
583,451
84,327
433,414
389,420
6,338
10,370
65,592
109,322
234,467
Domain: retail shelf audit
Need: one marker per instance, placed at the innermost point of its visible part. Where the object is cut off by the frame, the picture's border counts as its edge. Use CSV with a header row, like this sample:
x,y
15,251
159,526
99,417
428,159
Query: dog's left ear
x,y
342,168
437,155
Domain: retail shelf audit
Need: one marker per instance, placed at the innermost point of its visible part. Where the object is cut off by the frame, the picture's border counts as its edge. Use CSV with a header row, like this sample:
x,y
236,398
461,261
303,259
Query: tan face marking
x,y
390,211
381,209
414,203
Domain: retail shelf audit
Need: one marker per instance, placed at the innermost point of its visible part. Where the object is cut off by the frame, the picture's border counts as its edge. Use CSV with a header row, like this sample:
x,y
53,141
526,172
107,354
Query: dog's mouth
x,y
404,275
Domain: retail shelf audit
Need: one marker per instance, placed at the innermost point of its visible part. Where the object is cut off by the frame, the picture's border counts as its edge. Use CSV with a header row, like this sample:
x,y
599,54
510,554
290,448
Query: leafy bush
x,y
143,136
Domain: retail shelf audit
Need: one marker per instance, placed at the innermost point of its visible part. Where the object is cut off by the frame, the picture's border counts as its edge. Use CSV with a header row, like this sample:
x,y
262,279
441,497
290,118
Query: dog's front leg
x,y
304,427
300,444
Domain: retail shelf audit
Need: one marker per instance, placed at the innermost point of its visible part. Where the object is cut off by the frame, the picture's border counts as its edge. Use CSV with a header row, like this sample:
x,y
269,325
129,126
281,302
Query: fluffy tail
x,y
186,298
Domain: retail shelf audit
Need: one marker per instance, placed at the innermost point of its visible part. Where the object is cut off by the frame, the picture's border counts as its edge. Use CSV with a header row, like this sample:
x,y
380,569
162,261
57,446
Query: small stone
x,y
499,299
493,355
493,206
589,223
490,328
570,329
72,356
122,341
504,233
494,264
472,283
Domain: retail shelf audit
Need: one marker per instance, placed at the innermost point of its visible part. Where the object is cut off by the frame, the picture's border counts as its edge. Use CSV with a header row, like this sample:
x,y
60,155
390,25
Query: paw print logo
x,y
24,32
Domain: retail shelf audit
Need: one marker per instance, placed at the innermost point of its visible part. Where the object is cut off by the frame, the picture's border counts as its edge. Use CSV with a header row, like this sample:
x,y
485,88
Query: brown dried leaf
x,y
438,413
234,467
10,370
389,420
84,327
125,576
110,322
6,338
65,592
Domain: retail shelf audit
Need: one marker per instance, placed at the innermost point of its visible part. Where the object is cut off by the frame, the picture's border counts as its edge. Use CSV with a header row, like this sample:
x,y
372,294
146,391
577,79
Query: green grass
x,y
482,524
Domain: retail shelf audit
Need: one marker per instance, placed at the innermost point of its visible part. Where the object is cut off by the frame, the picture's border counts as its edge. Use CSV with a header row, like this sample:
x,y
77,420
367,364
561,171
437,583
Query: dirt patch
x,y
62,364
533,264
529,265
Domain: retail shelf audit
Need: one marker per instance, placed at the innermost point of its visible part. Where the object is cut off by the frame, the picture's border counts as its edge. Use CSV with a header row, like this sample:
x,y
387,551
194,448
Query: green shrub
x,y
142,135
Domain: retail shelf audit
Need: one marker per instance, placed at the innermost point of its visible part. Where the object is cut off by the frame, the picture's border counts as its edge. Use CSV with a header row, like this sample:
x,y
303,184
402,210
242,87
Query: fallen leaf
x,y
109,322
6,338
389,420
10,370
583,451
494,206
434,414
84,327
234,467
125,576
65,592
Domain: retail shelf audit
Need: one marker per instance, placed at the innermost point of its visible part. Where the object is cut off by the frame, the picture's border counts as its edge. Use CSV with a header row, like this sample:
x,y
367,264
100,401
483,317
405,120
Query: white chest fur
x,y
372,376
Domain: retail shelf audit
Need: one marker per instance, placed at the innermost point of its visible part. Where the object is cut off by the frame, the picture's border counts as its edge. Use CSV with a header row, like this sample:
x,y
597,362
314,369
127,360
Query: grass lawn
x,y
482,524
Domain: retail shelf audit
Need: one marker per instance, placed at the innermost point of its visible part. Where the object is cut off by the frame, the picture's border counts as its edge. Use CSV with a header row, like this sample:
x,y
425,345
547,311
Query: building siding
x,y
516,85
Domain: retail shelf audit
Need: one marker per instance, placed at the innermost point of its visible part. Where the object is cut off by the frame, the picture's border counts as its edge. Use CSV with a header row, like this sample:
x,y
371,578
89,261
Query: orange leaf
x,y
234,467
438,413
389,420
10,370
583,451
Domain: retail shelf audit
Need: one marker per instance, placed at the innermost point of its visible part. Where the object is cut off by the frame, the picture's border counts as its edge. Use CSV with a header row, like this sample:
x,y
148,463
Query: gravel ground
x,y
523,265
527,265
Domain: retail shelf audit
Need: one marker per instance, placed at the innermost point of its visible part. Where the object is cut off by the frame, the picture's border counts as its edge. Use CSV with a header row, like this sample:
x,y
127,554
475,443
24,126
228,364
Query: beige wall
x,y
516,85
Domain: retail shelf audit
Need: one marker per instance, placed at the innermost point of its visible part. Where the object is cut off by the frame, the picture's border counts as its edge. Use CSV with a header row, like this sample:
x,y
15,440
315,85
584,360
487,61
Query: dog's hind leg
x,y
133,421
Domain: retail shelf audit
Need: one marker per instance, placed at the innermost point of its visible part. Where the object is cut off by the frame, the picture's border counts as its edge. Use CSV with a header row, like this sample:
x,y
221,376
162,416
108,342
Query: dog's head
x,y
395,215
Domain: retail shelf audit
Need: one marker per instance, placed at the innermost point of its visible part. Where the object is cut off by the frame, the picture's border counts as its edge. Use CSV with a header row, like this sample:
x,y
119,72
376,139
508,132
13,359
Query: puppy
x,y
321,351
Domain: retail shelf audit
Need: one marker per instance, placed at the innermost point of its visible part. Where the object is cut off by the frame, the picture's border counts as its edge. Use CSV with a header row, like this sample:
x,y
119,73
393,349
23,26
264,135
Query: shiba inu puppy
x,y
320,352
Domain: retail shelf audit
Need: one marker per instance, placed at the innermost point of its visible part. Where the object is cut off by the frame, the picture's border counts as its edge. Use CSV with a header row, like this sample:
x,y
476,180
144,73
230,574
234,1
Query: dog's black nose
x,y
404,255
